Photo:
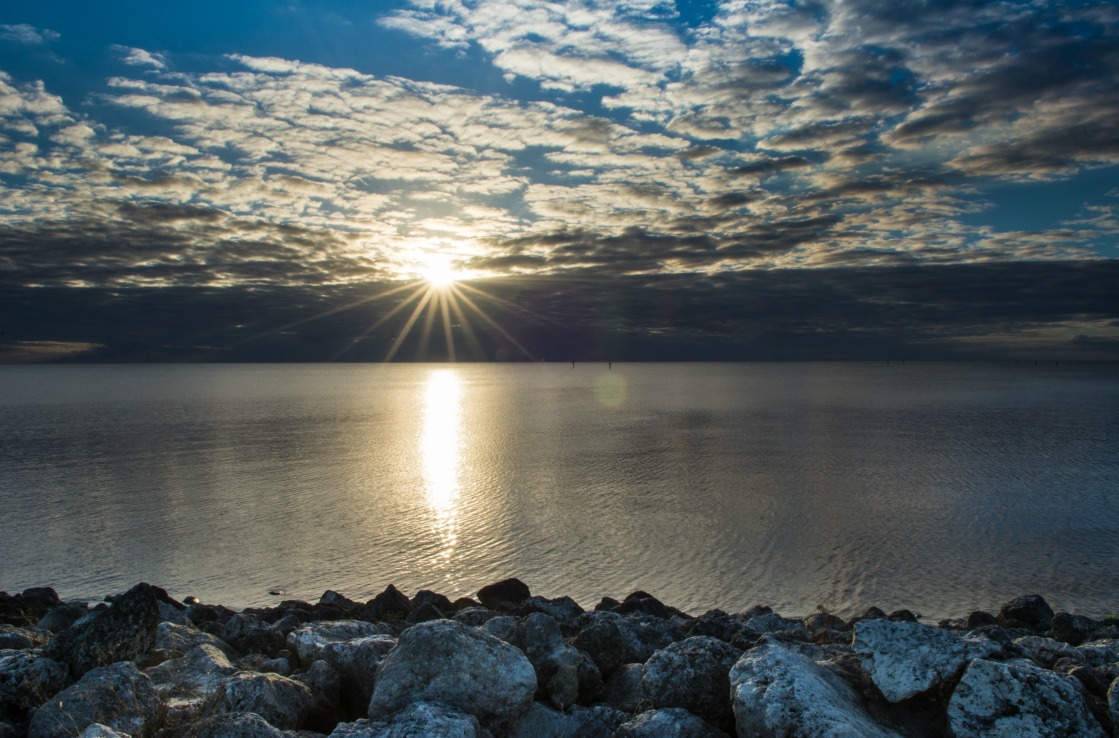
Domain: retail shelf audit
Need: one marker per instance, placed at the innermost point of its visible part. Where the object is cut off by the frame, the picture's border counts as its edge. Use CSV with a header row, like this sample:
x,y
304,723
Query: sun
x,y
438,271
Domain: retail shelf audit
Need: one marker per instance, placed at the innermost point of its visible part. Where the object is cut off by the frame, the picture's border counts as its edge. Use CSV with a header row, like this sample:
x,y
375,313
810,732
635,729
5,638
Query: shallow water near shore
x,y
936,487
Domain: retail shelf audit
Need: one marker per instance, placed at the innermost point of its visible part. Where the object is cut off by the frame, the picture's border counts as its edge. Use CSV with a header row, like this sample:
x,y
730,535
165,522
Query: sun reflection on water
x,y
441,445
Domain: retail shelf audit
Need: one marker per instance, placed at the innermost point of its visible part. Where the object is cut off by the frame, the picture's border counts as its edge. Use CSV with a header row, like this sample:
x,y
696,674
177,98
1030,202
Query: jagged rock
x,y
419,719
778,692
1102,655
669,722
823,627
465,603
1018,699
309,640
173,641
612,640
281,701
62,617
198,614
97,730
902,616
693,674
1046,651
27,679
123,632
623,688
330,598
1113,704
642,602
423,613
356,662
236,725
391,604
507,591
13,638
1073,629
905,659
563,674
118,696
541,721
326,703
500,627
475,616
259,662
564,609
1030,611
249,635
774,623
458,665
979,618
427,597
187,683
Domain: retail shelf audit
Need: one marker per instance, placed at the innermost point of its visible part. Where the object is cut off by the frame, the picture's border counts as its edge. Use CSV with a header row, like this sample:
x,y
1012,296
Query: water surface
x,y
937,487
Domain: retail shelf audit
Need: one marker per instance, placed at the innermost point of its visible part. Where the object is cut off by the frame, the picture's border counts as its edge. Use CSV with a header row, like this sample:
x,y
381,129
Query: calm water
x,y
937,487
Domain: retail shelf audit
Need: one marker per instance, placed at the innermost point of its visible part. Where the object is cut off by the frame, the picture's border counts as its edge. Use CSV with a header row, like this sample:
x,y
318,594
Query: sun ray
x,y
384,318
408,326
444,299
484,316
467,330
429,321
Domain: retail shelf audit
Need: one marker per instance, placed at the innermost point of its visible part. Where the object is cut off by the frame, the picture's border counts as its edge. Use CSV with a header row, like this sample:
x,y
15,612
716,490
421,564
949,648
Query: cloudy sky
x,y
624,179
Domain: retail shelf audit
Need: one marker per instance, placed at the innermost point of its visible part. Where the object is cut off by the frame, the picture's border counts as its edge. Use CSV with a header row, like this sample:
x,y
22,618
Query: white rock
x,y
308,640
1046,651
118,696
426,719
448,662
97,730
1021,700
187,683
779,692
27,679
283,702
905,659
692,674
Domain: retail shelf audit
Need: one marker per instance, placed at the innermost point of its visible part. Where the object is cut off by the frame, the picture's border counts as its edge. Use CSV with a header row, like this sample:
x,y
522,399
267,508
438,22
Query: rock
x,y
326,689
774,623
330,598
236,725
424,613
417,720
249,635
27,679
124,632
259,662
440,602
541,721
564,609
118,696
1029,611
188,683
823,627
507,591
173,641
283,702
563,674
1046,651
62,617
356,662
389,605
906,659
612,640
465,603
14,639
623,689
171,614
670,722
449,662
198,614
309,640
501,627
1073,629
778,692
1018,699
1113,704
693,674
979,618
97,730
642,602
37,602
475,617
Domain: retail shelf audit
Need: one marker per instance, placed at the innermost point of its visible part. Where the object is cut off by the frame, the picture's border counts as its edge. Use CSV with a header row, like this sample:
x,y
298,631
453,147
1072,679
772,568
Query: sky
x,y
616,180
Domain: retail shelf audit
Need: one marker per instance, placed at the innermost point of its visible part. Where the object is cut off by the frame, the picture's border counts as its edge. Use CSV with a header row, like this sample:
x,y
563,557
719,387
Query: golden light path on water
x,y
441,449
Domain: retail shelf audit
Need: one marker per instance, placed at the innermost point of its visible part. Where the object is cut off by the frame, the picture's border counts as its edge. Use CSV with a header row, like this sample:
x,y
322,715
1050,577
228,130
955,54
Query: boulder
x,y
173,641
426,719
1073,629
475,616
307,641
188,683
541,721
823,627
1046,651
777,691
333,599
62,617
249,635
906,659
669,722
452,663
564,674
424,613
97,730
325,709
775,624
564,609
27,679
13,638
508,592
1018,699
236,725
118,696
1030,611
438,601
356,662
283,702
125,631
693,674
612,640
391,604
623,688
1113,704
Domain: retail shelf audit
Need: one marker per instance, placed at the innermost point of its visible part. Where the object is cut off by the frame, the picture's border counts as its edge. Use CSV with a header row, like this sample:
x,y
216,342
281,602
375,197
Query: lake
x,y
941,488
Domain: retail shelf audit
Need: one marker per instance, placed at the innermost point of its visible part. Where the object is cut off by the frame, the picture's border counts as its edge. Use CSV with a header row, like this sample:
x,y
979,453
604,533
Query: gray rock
x,y
1046,651
564,609
326,688
173,641
123,632
13,638
1102,654
417,720
118,696
500,627
612,640
693,674
27,680
356,662
1031,611
906,659
541,721
170,614
1018,699
97,730
623,688
1113,705
236,725
62,617
1073,629
774,623
506,592
283,702
249,635
307,641
563,674
669,722
449,662
188,683
474,616
777,691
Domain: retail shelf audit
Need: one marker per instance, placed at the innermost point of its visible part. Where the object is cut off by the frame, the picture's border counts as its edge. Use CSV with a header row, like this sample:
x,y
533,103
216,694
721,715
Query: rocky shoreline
x,y
507,664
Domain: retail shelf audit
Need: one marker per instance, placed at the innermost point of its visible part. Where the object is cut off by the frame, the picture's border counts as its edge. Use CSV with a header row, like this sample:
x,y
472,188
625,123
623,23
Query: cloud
x,y
21,33
140,57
